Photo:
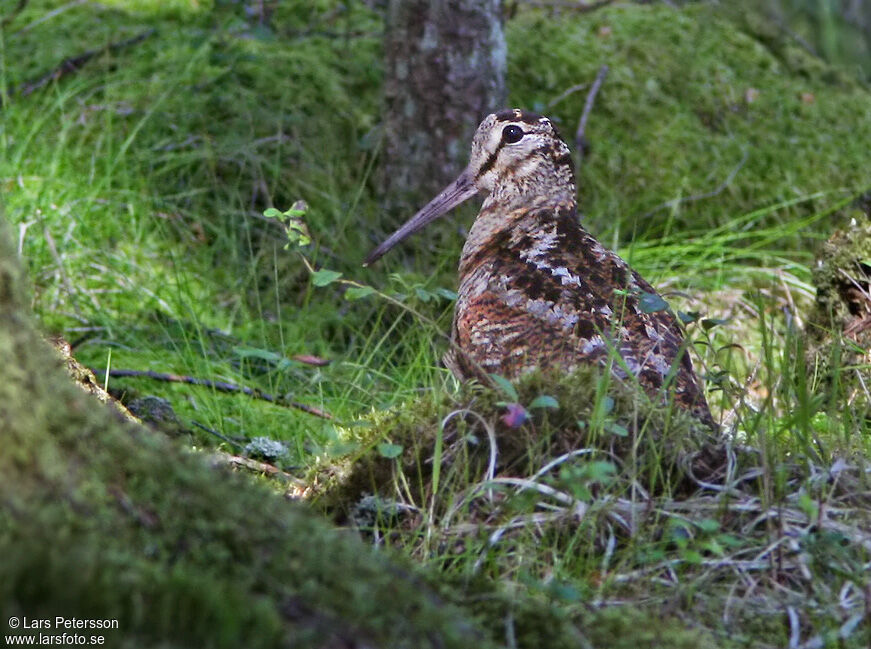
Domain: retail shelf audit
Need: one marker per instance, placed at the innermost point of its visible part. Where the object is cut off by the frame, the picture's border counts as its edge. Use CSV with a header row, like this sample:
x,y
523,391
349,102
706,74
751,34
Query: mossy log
x,y
102,518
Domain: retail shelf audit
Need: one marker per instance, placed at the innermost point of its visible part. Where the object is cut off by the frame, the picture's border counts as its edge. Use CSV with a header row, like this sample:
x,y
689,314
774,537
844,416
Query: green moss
x,y
463,432
154,149
538,619
149,166
688,96
627,628
104,519
838,329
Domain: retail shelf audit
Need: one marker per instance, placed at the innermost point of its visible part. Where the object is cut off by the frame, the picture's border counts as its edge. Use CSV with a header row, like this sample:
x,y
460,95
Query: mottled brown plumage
x,y
536,289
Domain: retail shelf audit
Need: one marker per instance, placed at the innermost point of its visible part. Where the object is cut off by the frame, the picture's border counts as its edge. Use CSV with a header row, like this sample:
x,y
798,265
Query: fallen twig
x,y
564,94
212,431
258,467
74,63
221,386
697,197
580,140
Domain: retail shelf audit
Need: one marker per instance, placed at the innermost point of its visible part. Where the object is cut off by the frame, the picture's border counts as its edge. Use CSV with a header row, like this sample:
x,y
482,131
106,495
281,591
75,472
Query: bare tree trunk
x,y
444,71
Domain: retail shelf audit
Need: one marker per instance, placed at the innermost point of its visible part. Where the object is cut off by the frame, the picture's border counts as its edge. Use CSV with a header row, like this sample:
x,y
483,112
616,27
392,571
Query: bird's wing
x,y
551,295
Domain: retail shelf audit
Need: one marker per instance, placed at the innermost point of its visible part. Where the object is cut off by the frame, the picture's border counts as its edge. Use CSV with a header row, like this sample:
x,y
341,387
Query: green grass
x,y
138,186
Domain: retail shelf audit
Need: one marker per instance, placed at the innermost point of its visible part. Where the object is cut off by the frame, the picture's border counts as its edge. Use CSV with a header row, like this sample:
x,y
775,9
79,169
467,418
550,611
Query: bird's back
x,y
538,291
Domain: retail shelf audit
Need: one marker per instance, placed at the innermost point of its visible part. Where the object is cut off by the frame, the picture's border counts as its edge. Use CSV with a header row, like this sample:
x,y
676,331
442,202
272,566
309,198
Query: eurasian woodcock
x,y
536,289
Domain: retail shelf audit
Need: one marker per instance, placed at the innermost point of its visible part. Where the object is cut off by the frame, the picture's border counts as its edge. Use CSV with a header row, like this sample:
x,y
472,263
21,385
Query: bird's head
x,y
515,154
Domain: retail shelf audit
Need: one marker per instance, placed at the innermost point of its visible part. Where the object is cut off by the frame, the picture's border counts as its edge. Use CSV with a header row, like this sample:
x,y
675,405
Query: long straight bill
x,y
463,188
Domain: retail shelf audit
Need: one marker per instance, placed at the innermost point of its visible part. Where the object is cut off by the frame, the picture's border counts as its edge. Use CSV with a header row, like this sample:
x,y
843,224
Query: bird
x,y
536,290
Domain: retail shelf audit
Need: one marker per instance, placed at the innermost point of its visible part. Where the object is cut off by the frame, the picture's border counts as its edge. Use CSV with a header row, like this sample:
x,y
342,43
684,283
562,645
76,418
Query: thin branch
x,y
697,197
212,431
258,467
221,386
580,141
564,94
75,63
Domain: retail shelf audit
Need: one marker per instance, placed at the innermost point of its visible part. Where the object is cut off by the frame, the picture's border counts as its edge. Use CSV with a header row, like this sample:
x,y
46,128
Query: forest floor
x,y
143,141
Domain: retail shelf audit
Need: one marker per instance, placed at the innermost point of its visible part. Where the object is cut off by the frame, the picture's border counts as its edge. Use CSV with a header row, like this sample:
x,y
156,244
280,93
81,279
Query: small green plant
x,y
293,220
516,414
407,295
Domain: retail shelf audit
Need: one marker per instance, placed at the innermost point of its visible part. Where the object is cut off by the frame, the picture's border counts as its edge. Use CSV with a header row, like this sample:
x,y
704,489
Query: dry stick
x,y
588,107
212,431
245,462
74,63
697,197
564,94
221,386
258,467
252,465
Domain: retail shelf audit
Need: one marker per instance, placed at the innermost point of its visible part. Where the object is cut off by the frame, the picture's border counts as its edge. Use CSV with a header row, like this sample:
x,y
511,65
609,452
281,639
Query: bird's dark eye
x,y
512,133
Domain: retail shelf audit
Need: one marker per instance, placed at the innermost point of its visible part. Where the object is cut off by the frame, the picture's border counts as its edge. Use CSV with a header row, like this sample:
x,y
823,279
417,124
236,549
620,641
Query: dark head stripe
x,y
488,164
491,160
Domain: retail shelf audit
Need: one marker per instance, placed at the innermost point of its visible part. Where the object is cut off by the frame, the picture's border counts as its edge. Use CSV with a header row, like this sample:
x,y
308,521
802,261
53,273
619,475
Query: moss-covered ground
x,y
721,157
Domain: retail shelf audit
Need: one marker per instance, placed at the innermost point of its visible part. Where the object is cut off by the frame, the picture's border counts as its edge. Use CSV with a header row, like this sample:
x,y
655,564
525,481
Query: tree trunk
x,y
444,71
